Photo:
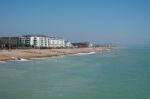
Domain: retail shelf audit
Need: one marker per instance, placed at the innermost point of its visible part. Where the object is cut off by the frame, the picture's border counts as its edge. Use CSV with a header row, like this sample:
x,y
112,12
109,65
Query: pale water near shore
x,y
117,74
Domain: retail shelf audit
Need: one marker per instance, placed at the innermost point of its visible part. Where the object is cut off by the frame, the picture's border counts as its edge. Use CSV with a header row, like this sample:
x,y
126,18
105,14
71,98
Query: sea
x,y
122,73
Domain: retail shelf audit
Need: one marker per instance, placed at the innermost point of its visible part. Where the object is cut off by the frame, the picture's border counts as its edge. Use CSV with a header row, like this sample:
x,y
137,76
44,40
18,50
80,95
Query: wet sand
x,y
36,53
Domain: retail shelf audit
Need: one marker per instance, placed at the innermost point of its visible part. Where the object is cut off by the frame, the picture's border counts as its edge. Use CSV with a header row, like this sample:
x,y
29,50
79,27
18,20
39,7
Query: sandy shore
x,y
35,53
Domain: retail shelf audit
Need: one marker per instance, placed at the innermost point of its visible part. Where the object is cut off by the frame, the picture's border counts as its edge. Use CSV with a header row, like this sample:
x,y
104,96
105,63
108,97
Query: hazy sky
x,y
102,21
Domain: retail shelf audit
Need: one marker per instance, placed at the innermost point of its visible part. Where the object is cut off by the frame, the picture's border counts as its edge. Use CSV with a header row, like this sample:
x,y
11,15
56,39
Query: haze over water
x,y
117,74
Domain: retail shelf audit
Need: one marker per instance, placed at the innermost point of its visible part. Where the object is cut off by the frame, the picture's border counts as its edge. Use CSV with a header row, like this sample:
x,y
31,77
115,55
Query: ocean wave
x,y
2,61
20,60
41,58
89,53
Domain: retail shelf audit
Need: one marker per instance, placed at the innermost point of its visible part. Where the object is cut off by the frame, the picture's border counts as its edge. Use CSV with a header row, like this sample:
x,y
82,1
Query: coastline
x,y
14,54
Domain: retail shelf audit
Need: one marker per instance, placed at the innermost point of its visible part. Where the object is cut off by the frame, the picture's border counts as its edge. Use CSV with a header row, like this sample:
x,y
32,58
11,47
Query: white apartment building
x,y
36,40
56,42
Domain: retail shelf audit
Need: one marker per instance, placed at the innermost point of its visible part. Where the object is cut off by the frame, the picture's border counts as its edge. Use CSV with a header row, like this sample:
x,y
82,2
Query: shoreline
x,y
14,54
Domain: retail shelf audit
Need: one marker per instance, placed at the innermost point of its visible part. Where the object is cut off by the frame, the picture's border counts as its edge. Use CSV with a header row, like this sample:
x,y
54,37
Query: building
x,y
9,42
35,41
22,41
56,42
82,44
91,45
68,44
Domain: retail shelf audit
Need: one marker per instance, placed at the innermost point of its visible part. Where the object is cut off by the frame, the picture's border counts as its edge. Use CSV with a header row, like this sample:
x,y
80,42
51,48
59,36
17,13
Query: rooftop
x,y
35,36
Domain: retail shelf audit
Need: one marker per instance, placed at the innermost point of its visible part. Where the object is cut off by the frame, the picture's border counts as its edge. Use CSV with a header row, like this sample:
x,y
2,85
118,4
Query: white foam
x,y
43,58
20,60
89,53
2,62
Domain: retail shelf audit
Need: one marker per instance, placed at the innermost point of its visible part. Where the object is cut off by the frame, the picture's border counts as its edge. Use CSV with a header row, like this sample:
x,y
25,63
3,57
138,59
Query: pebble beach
x,y
36,53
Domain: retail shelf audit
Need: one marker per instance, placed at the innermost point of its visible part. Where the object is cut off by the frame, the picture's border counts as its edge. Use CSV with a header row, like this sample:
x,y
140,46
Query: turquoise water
x,y
117,74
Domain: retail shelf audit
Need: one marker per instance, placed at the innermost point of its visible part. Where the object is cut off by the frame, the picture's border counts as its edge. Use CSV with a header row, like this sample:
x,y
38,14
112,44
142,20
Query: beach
x,y
36,53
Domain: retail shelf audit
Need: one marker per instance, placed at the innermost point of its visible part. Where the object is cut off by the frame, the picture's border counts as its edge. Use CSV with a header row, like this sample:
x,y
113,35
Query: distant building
x,y
82,44
56,42
35,41
39,41
9,42
22,41
68,44
91,45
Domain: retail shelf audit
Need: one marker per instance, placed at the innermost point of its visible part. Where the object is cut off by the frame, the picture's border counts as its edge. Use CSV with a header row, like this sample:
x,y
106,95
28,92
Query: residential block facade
x,y
35,40
56,42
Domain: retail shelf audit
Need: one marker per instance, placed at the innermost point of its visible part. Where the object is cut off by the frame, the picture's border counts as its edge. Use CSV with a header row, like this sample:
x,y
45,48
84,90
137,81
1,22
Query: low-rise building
x,y
56,42
68,44
9,42
82,44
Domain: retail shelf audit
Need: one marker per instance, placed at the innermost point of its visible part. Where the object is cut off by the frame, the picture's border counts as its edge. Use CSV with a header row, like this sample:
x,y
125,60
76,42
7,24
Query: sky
x,y
102,21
